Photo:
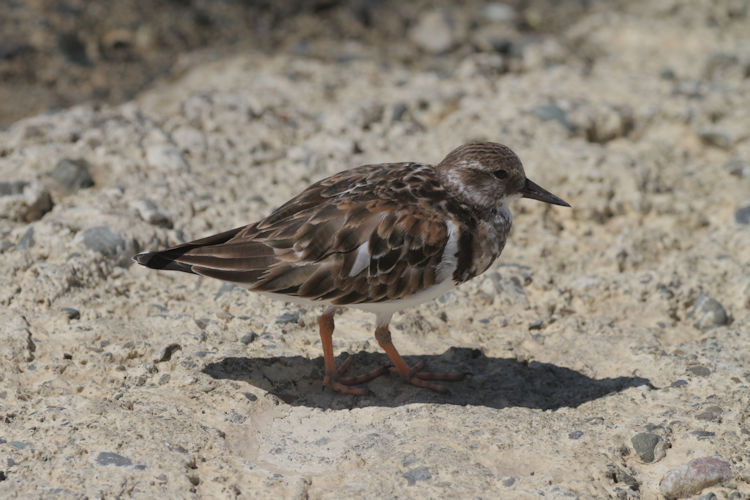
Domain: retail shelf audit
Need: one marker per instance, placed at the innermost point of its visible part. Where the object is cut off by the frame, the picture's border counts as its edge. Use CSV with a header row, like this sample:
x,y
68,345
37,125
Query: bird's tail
x,y
169,259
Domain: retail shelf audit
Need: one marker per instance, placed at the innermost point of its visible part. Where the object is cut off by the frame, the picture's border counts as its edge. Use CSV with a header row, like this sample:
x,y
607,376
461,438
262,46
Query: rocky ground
x,y
607,349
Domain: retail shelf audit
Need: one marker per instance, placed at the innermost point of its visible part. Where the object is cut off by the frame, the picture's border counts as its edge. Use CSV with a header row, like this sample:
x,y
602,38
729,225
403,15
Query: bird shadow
x,y
490,382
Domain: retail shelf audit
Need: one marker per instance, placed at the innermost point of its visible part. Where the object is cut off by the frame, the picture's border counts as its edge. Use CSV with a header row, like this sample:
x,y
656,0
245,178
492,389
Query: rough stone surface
x,y
691,478
614,279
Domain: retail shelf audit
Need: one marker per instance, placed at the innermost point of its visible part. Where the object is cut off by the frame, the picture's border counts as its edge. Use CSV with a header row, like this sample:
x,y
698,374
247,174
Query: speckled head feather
x,y
483,174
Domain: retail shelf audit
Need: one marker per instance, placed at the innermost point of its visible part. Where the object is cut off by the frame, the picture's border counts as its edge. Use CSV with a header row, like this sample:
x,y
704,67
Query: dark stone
x,y
552,112
418,474
575,435
679,383
716,137
703,434
72,174
536,325
249,337
71,313
737,167
699,370
708,313
101,239
619,475
645,445
166,353
73,49
12,188
27,240
287,318
223,289
399,110
707,496
710,414
13,50
107,458
509,482
19,445
742,215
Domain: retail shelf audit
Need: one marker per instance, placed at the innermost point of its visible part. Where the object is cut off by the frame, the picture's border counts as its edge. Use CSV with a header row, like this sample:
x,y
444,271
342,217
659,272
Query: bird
x,y
379,237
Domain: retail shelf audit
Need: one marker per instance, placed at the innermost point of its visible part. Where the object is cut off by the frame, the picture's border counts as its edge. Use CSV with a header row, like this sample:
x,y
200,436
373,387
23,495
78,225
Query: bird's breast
x,y
481,245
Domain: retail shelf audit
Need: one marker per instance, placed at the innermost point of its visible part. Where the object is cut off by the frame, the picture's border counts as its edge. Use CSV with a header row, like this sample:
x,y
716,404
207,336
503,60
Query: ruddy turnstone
x,y
380,238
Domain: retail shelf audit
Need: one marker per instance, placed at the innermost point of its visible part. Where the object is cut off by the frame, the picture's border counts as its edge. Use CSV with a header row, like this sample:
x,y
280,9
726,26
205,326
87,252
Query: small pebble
x,y
285,318
708,313
108,458
434,32
224,289
150,212
575,435
27,240
166,353
691,478
418,474
101,239
699,370
536,325
249,337
73,48
710,414
679,383
553,112
71,313
620,475
737,167
24,201
72,174
649,447
707,496
703,434
716,137
742,215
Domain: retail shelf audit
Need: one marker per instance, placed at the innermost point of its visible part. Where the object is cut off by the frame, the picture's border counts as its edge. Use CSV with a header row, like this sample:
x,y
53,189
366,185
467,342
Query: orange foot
x,y
343,384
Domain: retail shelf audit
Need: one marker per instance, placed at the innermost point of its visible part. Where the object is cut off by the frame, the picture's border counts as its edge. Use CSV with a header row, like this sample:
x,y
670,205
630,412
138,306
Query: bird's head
x,y
487,174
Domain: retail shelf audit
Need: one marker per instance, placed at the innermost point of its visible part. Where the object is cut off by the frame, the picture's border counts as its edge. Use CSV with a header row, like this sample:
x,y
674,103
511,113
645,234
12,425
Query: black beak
x,y
536,192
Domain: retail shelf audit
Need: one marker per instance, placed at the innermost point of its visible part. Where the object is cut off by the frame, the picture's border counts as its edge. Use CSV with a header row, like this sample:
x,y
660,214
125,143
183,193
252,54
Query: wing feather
x,y
309,246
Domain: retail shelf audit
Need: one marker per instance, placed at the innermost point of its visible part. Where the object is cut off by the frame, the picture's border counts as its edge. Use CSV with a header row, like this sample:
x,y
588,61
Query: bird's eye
x,y
500,174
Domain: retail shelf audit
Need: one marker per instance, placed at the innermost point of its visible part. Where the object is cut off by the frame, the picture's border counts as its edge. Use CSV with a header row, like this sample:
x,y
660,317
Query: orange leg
x,y
333,376
412,375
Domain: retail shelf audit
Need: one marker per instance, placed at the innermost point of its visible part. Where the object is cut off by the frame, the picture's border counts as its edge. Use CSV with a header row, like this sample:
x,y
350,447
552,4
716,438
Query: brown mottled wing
x,y
370,234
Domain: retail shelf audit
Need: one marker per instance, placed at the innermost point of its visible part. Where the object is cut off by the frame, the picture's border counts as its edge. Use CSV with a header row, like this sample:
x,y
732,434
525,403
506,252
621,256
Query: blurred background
x,y
55,53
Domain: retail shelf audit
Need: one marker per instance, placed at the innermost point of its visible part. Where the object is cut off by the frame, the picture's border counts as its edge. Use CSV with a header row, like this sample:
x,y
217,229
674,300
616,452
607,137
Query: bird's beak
x,y
536,192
